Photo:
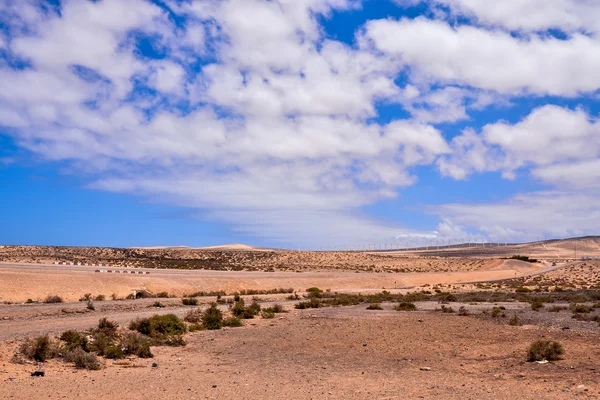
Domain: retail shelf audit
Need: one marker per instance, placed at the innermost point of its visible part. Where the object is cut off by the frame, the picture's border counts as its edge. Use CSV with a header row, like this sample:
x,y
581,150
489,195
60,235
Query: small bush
x,y
100,297
515,320
523,289
39,349
313,303
134,343
106,346
74,340
159,326
267,315
90,306
162,295
82,359
447,310
232,322
580,309
374,306
107,327
406,306
158,304
193,316
212,318
462,311
53,299
544,350
86,297
195,327
556,308
29,301
275,308
189,301
537,305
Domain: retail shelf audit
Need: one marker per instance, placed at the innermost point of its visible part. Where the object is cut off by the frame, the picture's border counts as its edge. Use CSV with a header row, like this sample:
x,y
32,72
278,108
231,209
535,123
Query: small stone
x,y
425,368
38,373
154,365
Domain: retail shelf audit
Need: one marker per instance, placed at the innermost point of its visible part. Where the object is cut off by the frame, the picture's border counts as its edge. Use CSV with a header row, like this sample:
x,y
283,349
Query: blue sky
x,y
304,123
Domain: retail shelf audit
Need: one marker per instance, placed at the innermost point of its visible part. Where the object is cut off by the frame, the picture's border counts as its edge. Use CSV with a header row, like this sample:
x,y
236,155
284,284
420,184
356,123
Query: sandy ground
x,y
341,353
22,282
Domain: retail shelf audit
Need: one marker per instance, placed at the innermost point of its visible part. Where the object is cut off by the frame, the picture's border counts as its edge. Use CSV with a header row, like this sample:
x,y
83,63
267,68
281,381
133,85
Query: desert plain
x,y
477,309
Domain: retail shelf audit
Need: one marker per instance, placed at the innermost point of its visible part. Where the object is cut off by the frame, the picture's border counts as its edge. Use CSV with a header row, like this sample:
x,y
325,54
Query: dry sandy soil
x,y
19,282
341,353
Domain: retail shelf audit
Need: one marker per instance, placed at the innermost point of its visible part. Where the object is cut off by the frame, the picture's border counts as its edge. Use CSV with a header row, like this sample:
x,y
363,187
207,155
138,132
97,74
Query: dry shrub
x,y
193,316
374,306
53,299
39,349
407,306
545,350
82,359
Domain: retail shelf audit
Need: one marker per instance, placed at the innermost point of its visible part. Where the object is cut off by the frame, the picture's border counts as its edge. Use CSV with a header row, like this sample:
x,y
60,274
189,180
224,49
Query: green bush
x,y
82,359
74,340
537,305
313,303
107,327
100,297
106,346
212,318
374,306
544,350
275,308
189,301
134,343
232,322
314,292
159,326
407,306
580,309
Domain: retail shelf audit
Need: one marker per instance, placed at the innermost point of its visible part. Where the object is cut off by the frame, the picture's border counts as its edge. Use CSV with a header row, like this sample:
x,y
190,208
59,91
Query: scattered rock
x,y
154,365
38,373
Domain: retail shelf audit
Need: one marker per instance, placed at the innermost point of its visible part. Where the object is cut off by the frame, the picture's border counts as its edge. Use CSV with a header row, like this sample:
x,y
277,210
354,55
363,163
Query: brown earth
x,y
19,282
336,353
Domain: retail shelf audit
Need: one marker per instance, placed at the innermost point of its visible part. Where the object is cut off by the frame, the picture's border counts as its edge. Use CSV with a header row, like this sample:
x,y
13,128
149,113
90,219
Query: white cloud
x,y
549,139
528,15
264,123
529,216
489,60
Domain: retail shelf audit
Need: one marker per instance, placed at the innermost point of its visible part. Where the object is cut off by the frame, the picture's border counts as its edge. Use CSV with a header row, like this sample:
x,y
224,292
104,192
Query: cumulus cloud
x,y
527,15
246,111
558,143
489,59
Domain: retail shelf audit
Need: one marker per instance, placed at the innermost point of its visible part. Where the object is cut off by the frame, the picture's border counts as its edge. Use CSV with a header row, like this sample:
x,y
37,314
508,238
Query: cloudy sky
x,y
298,123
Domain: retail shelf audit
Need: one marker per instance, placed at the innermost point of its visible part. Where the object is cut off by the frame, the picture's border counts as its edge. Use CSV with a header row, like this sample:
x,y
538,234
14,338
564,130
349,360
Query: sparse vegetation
x,y
212,318
462,311
515,320
545,350
53,299
374,306
189,301
232,322
406,306
83,359
267,315
39,349
275,308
